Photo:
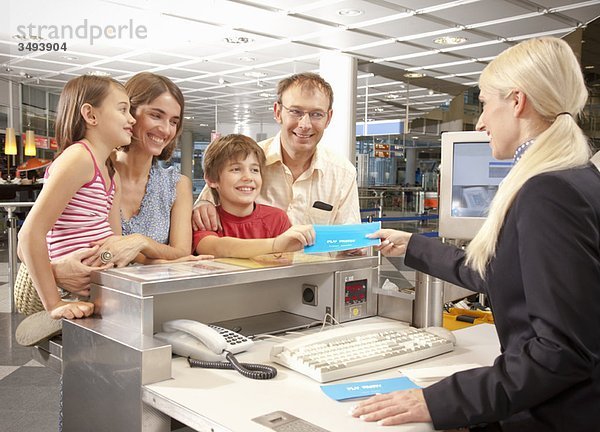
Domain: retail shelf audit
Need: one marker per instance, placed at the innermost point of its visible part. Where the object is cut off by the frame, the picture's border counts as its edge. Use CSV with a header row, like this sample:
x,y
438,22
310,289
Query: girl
x,y
75,207
156,202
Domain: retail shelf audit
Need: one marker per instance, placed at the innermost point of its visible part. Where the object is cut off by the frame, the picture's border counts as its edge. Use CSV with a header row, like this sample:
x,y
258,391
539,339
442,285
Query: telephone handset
x,y
200,341
207,345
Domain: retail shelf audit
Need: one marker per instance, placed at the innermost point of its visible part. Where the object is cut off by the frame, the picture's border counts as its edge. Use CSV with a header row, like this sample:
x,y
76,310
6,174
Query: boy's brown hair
x,y
232,147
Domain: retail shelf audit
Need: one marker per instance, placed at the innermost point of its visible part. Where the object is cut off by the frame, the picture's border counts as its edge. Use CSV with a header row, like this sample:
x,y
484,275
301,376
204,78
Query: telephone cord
x,y
249,370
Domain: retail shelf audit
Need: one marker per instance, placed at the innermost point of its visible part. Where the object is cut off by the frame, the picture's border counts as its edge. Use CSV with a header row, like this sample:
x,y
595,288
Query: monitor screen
x,y
469,180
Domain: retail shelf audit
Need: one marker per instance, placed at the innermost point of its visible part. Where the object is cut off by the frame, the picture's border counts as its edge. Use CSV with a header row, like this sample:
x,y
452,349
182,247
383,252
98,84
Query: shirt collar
x,y
521,150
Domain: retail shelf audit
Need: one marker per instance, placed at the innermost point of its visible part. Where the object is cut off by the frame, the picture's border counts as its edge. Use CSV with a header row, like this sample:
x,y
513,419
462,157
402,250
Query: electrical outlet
x,y
309,294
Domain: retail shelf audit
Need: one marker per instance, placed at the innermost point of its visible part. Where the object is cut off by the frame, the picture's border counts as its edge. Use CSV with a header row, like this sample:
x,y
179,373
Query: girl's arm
x,y
69,173
292,240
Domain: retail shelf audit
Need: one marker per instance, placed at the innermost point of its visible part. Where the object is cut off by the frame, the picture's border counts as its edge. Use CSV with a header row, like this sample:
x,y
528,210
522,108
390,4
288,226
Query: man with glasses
x,y
309,182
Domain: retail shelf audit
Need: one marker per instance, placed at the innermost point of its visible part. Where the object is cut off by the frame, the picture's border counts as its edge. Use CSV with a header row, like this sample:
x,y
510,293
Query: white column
x,y
186,143
339,70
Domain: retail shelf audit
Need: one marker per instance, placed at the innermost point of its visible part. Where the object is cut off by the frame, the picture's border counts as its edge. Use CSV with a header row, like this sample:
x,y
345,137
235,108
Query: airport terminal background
x,y
398,172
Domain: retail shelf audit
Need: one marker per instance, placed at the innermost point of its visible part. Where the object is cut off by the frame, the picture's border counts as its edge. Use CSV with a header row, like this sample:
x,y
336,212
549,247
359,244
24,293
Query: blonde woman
x,y
537,258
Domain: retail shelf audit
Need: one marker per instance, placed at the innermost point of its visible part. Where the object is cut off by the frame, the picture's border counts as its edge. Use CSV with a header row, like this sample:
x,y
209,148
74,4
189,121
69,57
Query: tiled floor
x,y
29,392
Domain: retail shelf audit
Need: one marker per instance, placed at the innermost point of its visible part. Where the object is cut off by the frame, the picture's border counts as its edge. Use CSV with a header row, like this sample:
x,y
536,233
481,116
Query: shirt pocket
x,y
321,217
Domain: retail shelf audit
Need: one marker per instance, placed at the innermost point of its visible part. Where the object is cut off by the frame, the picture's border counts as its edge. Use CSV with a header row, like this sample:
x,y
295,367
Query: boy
x,y
232,169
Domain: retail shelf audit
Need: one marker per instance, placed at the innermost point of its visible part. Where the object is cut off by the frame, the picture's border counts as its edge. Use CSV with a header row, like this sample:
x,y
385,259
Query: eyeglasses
x,y
299,114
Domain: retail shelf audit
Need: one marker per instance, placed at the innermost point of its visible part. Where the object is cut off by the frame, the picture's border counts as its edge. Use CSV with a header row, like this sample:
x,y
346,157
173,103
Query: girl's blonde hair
x,y
70,126
547,72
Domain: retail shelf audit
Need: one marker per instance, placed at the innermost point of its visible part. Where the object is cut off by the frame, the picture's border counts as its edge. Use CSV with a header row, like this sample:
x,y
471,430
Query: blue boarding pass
x,y
355,390
335,238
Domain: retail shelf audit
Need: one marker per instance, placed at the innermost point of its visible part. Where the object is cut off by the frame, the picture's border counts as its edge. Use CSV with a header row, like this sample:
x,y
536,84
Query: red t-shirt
x,y
264,222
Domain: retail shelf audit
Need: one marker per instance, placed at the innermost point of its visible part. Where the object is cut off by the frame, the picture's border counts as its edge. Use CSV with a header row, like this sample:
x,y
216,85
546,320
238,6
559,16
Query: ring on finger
x,y
106,257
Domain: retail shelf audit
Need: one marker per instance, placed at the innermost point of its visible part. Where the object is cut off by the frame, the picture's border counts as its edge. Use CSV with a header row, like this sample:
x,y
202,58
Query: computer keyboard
x,y
347,351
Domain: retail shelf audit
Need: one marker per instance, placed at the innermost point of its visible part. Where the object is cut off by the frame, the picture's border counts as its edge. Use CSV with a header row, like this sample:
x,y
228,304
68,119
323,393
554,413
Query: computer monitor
x,y
469,180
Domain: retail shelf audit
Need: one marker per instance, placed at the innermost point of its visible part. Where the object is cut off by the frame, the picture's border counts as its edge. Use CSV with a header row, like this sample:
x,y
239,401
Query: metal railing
x,y
11,222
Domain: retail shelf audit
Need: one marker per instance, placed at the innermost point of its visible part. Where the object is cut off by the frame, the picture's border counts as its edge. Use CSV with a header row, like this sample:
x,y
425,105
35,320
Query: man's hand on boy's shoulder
x,y
205,217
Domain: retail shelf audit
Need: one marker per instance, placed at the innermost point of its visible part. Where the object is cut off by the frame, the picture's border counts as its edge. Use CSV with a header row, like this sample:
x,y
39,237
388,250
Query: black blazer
x,y
544,288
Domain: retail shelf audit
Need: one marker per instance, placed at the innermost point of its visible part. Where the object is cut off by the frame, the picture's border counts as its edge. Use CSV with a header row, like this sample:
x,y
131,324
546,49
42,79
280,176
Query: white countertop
x,y
226,401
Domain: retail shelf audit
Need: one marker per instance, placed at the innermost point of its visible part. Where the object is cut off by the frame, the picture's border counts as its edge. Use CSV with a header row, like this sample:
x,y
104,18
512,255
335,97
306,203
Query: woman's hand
x,y
395,408
117,250
294,239
393,242
71,310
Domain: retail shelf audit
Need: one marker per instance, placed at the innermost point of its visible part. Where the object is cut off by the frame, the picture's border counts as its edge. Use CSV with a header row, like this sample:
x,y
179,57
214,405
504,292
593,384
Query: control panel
x,y
353,294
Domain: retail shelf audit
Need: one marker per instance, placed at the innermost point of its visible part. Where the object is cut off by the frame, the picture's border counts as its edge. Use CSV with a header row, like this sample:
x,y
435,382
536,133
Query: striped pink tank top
x,y
85,218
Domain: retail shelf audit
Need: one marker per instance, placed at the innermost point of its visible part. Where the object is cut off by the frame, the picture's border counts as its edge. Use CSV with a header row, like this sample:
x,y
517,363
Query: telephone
x,y
200,341
207,345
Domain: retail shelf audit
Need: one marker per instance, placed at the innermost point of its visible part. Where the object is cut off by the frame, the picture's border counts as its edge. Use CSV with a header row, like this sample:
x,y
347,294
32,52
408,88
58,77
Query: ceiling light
x,y
247,59
98,73
392,96
203,124
414,75
8,68
450,40
266,95
69,57
31,37
430,92
378,109
589,67
255,74
189,117
350,12
236,40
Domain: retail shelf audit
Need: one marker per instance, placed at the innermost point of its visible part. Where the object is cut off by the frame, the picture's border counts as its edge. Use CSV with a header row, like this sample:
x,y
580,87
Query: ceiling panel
x,y
405,27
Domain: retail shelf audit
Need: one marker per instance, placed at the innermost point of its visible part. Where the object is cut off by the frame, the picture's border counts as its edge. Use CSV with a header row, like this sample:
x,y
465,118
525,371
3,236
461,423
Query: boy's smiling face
x,y
239,185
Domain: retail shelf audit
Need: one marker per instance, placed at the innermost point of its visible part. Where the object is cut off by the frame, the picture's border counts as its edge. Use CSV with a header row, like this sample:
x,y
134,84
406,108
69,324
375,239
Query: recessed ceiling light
x,y
69,57
450,40
392,96
266,95
414,75
378,109
98,73
237,40
31,37
247,59
350,12
255,74
189,117
589,67
415,137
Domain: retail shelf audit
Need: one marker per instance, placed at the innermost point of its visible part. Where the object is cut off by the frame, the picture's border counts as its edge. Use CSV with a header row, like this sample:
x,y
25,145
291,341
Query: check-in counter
x,y
109,358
